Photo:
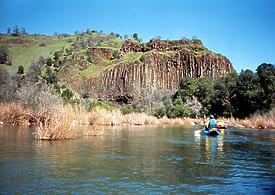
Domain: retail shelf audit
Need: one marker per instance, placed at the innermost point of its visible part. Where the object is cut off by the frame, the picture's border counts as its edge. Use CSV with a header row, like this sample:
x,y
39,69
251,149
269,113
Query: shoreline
x,y
63,121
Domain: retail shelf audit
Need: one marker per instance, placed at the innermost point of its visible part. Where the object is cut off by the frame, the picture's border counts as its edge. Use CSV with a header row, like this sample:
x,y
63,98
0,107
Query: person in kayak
x,y
211,123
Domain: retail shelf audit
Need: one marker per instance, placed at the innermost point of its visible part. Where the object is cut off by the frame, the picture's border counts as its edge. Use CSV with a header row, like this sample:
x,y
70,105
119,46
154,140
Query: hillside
x,y
107,66
25,49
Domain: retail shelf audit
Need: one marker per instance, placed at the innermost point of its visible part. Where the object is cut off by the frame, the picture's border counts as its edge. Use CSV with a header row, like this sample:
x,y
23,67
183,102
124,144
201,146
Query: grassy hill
x,y
74,60
25,49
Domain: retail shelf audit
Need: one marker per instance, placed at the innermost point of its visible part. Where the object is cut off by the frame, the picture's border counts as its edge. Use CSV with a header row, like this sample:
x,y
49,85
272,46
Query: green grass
x,y
22,55
132,56
114,43
91,71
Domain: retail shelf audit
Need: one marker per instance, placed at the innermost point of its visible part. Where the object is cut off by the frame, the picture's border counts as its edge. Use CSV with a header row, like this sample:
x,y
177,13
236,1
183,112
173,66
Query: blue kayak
x,y
211,132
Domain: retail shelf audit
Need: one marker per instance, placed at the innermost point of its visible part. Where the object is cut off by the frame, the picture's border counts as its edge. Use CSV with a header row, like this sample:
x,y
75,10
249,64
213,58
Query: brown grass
x,y
256,121
65,122
101,117
58,122
104,117
12,113
260,121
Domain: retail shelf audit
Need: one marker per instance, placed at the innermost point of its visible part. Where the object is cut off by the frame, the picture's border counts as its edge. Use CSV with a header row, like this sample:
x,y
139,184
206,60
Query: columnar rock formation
x,y
161,66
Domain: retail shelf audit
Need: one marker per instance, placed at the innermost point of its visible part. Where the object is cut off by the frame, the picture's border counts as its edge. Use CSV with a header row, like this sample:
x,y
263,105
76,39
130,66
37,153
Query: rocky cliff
x,y
158,65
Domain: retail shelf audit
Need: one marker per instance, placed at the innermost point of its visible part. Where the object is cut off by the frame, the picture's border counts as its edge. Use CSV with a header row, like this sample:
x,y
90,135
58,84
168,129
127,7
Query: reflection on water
x,y
138,160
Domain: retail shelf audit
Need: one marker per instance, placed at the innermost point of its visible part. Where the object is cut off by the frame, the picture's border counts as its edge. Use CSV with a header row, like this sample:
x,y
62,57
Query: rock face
x,y
161,67
104,53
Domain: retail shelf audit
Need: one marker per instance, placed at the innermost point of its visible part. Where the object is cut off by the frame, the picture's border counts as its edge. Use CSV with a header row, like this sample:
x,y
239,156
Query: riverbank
x,y
67,121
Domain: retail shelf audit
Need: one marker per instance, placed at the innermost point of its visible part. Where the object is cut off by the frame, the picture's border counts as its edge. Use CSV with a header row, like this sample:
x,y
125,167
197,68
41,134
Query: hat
x,y
211,116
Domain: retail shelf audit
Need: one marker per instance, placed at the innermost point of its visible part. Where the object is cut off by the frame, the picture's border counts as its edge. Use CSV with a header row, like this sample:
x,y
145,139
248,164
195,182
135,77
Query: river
x,y
138,160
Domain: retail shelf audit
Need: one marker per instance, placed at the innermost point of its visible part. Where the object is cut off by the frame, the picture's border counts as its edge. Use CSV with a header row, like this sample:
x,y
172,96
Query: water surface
x,y
138,160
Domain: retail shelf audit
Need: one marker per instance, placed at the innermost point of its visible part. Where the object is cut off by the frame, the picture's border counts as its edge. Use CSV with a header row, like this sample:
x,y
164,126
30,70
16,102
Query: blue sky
x,y
242,30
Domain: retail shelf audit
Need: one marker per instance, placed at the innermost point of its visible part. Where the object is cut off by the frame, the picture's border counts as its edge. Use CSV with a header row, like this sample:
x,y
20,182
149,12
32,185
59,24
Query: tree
x,y
15,31
20,70
266,74
135,36
23,31
8,30
4,54
221,101
188,87
205,92
126,36
246,98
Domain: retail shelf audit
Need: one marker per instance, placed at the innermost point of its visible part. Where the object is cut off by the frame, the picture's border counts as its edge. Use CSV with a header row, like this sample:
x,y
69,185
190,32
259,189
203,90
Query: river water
x,y
138,160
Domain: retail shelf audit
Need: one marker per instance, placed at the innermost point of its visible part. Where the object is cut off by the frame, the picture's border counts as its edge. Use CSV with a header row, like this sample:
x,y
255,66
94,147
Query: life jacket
x,y
212,124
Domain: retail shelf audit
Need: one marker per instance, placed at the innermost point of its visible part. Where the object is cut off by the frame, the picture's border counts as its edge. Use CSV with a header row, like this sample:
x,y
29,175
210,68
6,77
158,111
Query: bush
x,y
135,36
50,77
126,109
116,54
159,110
20,70
4,54
67,95
33,95
35,70
49,61
7,86
42,45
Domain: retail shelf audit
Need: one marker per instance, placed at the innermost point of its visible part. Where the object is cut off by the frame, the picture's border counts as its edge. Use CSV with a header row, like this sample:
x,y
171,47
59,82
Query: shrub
x,y
50,77
49,61
35,70
7,86
20,70
33,95
67,95
159,110
4,54
126,108
135,36
116,54
42,45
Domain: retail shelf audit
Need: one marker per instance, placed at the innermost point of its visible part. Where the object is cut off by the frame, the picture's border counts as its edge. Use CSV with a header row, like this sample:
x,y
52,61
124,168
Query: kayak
x,y
213,132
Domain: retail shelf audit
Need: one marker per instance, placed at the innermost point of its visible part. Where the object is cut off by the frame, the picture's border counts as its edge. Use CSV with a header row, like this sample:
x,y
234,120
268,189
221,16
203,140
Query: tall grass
x,y
261,121
65,122
56,122
13,113
103,117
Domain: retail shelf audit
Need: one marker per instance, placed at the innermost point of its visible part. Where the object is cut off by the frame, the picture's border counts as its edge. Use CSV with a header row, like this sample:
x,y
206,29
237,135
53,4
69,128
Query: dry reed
x,y
12,113
56,124
261,121
65,122
101,117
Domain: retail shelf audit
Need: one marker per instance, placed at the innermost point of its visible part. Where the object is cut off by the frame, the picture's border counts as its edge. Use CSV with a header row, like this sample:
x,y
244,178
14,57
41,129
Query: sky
x,y
241,30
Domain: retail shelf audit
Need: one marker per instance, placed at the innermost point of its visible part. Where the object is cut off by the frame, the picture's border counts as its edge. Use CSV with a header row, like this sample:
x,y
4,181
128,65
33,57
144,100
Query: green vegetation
x,y
132,56
27,54
4,54
89,72
20,70
66,63
234,95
